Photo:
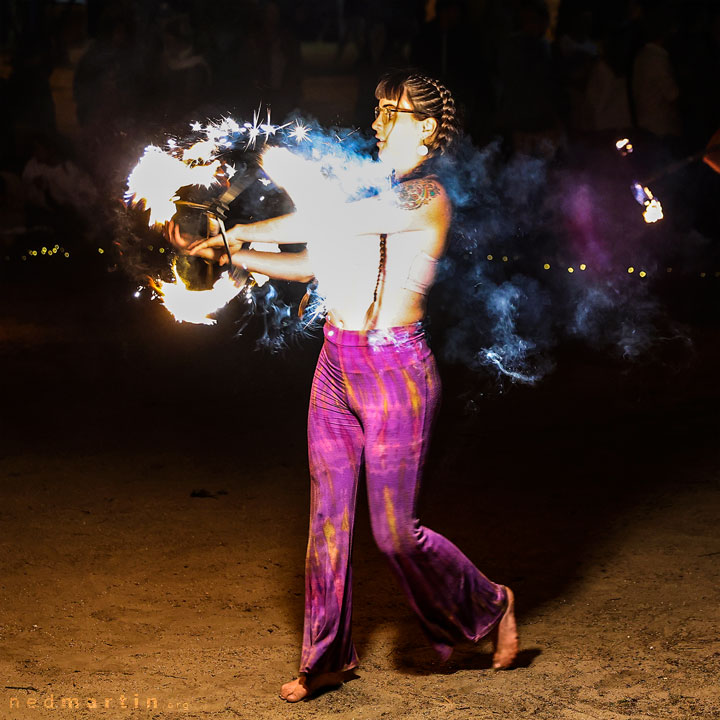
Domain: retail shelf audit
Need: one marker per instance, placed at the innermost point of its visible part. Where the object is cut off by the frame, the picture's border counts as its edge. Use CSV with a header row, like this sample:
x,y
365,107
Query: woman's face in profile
x,y
399,134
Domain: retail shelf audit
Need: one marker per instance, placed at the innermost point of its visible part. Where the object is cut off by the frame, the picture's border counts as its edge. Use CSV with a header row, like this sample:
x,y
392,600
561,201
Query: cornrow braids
x,y
448,126
428,98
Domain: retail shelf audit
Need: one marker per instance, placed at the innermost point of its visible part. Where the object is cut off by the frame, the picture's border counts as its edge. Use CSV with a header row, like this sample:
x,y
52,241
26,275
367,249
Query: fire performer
x,y
375,393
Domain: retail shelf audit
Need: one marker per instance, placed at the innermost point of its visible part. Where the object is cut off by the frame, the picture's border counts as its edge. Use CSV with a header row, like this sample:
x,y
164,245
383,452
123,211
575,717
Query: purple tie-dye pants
x,y
373,400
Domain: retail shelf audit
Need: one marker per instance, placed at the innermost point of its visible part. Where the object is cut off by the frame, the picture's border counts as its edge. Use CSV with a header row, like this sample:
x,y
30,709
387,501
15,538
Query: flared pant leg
x,y
376,397
335,442
452,599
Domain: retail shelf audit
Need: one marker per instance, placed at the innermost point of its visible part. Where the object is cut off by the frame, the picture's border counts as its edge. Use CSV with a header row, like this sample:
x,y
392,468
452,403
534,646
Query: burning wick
x,y
194,306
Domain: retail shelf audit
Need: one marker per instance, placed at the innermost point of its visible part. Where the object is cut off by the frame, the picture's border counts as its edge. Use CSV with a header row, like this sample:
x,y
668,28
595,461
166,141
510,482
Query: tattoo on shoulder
x,y
415,193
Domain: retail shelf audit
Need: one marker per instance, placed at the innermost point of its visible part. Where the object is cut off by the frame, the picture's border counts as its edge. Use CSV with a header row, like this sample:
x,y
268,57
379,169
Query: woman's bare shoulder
x,y
418,192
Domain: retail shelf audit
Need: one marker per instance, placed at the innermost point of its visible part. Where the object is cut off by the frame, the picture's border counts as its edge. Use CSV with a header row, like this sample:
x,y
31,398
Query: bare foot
x,y
505,636
304,687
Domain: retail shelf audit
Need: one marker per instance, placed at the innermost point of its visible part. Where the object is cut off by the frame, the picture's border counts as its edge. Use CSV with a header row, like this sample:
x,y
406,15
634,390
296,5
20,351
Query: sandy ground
x,y
594,496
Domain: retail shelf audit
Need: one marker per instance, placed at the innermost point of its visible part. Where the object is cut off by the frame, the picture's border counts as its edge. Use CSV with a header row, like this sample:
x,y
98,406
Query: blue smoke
x,y
494,308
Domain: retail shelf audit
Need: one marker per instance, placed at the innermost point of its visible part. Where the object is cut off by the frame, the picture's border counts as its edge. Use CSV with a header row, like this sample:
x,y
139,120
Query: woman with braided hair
x,y
375,393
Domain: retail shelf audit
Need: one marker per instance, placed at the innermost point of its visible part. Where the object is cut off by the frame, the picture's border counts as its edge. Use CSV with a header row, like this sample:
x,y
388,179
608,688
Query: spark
x,y
229,126
252,136
256,128
267,127
314,311
345,137
300,132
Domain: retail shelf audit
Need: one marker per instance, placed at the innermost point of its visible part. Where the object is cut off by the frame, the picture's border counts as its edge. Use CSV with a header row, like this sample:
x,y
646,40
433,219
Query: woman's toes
x,y
295,690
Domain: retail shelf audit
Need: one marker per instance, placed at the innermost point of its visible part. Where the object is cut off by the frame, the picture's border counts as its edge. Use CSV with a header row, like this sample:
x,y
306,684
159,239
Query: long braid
x,y
374,309
381,267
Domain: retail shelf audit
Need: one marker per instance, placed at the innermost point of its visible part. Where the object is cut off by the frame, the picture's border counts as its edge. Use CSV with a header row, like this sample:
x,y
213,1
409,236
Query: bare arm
x,y
284,266
418,204
412,205
294,266
281,230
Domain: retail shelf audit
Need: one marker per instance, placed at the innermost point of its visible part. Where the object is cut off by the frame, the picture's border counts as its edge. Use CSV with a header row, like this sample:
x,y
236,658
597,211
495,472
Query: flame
x,y
200,152
159,175
653,209
156,179
194,306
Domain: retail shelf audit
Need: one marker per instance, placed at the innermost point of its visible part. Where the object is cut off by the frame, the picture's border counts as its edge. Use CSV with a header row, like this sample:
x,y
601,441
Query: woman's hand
x,y
174,236
213,248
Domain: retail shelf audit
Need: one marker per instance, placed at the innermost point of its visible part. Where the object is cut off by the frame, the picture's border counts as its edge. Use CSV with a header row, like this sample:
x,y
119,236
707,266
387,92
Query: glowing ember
x,y
194,306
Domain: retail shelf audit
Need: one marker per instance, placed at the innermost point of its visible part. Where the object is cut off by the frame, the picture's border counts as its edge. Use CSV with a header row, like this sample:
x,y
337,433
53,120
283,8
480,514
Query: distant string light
x,y
44,252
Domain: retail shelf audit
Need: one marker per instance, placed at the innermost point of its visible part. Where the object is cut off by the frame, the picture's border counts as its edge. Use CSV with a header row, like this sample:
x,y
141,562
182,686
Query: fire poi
x,y
653,212
160,174
319,183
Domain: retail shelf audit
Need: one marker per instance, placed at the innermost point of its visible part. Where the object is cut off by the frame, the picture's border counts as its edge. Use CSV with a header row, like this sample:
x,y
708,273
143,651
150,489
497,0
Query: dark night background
x,y
153,479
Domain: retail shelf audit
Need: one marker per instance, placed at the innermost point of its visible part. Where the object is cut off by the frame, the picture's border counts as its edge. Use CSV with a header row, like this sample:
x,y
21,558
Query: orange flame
x,y
194,306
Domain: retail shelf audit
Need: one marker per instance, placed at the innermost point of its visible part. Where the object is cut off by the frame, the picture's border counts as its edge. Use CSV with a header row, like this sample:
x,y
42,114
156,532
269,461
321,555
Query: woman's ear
x,y
429,127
